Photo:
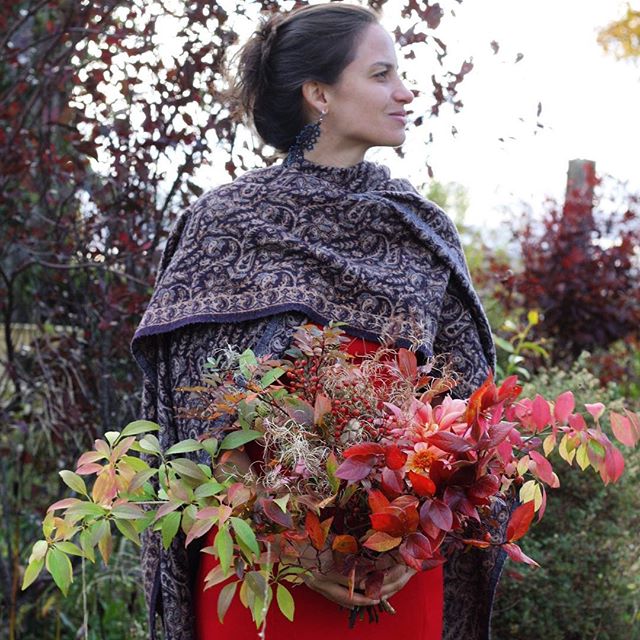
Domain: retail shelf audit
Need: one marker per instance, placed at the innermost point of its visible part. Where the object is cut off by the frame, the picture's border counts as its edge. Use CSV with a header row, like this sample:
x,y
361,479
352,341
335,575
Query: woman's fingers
x,y
396,579
336,592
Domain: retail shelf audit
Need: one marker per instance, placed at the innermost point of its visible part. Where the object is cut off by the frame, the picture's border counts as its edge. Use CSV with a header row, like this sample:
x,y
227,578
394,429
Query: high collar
x,y
363,176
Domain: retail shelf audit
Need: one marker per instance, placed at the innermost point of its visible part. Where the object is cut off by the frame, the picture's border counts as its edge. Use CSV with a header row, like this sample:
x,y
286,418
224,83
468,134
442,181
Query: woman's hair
x,y
312,43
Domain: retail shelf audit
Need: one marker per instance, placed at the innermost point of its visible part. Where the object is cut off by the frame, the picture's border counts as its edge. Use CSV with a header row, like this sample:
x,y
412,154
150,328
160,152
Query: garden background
x,y
108,130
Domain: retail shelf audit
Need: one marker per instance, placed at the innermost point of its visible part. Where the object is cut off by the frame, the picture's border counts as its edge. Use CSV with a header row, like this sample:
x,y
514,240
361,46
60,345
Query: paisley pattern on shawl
x,y
333,243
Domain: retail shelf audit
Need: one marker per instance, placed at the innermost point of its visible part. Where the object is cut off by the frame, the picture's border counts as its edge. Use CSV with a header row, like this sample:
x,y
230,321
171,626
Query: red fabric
x,y
418,605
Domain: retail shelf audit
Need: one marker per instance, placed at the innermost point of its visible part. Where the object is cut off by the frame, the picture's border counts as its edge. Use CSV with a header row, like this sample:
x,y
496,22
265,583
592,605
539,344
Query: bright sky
x,y
590,103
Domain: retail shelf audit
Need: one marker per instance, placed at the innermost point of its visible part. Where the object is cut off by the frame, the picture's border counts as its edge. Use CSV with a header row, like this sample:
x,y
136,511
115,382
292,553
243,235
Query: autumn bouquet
x,y
316,456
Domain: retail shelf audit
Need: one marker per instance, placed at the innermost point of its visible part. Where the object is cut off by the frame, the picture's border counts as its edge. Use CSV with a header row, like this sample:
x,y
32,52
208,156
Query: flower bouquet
x,y
354,465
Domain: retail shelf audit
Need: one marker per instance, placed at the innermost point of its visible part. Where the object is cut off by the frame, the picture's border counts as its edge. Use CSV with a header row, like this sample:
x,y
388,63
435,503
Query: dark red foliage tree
x,y
581,269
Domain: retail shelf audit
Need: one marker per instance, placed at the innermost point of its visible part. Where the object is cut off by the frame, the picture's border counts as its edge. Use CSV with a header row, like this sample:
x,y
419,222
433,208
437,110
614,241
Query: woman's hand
x,y
335,586
395,578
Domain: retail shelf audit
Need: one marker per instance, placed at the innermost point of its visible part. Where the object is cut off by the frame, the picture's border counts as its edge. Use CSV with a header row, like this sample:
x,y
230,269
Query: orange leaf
x,y
345,544
381,541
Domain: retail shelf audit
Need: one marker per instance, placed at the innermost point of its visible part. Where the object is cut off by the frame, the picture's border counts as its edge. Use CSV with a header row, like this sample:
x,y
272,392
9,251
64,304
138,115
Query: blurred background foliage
x,y
103,129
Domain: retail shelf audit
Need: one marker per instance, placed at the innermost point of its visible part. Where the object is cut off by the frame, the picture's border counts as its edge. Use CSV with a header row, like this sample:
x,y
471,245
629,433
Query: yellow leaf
x,y
566,449
549,444
523,465
582,456
528,491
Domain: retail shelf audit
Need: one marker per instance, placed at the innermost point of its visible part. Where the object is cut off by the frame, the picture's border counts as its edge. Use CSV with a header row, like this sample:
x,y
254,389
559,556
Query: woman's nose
x,y
403,94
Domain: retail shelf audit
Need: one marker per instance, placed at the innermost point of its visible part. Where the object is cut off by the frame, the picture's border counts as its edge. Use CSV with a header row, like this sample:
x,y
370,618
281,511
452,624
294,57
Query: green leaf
x,y
127,511
128,530
69,548
503,344
32,572
246,360
184,446
271,376
111,437
224,599
285,602
237,438
150,444
86,509
597,448
85,545
170,525
140,478
39,550
283,502
137,464
224,548
139,426
210,445
245,534
74,481
188,468
59,566
208,489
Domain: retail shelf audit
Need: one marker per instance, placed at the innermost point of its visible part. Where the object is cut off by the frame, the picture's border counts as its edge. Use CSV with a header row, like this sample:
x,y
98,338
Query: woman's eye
x,y
382,74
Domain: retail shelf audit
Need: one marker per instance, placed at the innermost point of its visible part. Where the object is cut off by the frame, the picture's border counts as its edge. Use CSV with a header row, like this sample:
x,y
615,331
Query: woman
x,y
324,235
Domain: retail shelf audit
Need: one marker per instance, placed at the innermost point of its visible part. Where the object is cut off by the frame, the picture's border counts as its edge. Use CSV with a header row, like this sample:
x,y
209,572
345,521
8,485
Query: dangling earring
x,y
304,141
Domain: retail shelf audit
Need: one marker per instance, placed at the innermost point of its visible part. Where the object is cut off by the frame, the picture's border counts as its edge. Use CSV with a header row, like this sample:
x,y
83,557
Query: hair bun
x,y
267,33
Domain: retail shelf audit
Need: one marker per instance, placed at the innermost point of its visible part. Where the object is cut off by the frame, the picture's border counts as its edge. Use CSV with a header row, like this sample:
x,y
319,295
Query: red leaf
x,y
354,469
364,449
497,434
345,544
415,549
516,554
540,412
509,389
316,534
382,541
377,500
520,521
388,522
623,429
394,457
484,487
436,512
613,463
321,408
449,442
407,363
565,404
392,482
273,511
480,399
543,469
422,485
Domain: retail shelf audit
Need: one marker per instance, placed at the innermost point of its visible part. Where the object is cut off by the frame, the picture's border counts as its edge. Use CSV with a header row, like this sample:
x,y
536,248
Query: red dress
x,y
418,605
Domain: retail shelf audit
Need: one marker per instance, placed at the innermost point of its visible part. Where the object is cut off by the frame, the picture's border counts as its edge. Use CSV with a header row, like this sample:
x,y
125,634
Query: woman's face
x,y
366,107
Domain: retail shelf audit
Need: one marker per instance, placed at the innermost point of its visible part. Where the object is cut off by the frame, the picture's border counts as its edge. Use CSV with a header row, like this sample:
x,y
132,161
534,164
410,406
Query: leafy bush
x,y
587,543
580,269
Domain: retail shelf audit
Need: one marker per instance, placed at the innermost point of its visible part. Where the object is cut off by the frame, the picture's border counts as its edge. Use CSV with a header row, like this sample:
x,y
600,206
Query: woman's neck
x,y
331,155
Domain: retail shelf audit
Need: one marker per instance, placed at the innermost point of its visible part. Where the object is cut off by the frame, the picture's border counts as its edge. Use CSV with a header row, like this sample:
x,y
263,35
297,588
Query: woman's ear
x,y
315,99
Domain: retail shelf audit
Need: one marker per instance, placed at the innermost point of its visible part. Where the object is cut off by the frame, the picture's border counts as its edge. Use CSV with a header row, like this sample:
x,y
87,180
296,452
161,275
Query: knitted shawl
x,y
348,244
